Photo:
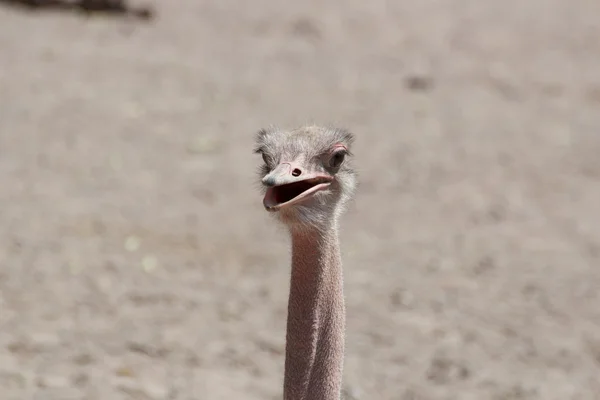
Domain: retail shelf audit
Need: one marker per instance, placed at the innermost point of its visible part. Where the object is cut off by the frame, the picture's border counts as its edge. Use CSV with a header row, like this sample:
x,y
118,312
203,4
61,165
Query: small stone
x,y
139,390
147,350
402,298
132,243
125,372
149,263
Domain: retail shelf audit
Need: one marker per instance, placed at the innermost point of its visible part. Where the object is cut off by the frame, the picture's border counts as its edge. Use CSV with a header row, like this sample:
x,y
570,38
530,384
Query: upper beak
x,y
282,175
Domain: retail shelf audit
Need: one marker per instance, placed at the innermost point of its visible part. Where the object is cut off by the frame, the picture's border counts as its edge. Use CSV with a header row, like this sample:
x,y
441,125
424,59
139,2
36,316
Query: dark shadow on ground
x,y
84,7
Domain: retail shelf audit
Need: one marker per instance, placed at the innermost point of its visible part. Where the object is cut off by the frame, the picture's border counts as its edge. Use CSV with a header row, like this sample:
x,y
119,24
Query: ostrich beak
x,y
287,186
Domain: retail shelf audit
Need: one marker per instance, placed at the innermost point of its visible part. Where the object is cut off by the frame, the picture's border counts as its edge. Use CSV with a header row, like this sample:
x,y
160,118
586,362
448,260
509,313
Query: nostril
x,y
296,172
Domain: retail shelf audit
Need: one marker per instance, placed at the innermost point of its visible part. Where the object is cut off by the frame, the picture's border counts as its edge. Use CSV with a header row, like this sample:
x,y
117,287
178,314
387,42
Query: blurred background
x,y
137,262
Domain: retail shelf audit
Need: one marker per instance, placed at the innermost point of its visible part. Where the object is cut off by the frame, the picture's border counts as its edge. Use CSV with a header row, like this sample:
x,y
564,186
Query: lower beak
x,y
292,193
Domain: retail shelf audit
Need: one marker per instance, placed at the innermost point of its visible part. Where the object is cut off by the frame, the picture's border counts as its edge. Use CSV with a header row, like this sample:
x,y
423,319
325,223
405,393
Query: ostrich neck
x,y
316,319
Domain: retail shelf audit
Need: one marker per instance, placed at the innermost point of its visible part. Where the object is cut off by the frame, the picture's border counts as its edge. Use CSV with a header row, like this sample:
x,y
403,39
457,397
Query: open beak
x,y
285,190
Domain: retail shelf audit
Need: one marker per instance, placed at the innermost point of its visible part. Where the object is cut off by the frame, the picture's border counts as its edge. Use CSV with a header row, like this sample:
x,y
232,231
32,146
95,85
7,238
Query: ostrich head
x,y
306,176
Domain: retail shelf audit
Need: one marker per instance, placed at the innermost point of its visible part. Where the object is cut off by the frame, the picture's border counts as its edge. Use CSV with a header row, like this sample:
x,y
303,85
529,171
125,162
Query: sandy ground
x,y
136,259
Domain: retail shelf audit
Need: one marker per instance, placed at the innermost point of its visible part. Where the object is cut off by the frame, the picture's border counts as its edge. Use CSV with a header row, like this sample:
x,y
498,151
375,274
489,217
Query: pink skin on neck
x,y
316,318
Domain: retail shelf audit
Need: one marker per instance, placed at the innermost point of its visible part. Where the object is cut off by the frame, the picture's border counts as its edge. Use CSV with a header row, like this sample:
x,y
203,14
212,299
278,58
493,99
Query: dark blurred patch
x,y
552,90
593,94
306,28
444,370
85,7
418,83
484,265
506,89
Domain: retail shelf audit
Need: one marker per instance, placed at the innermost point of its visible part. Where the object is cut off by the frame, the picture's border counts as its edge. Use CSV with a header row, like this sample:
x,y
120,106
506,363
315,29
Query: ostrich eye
x,y
337,159
265,158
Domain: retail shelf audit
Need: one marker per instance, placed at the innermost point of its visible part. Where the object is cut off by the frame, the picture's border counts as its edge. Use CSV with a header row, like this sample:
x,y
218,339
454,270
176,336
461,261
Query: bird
x,y
307,181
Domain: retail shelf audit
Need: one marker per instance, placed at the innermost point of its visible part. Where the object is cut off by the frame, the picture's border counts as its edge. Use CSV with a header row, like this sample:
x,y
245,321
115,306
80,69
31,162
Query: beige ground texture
x,y
137,261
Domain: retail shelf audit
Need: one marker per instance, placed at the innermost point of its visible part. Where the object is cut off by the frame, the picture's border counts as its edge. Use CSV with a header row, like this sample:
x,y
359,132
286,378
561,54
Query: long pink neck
x,y
316,319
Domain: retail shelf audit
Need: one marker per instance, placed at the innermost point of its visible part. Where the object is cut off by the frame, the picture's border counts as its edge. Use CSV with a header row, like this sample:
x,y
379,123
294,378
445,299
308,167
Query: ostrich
x,y
307,180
